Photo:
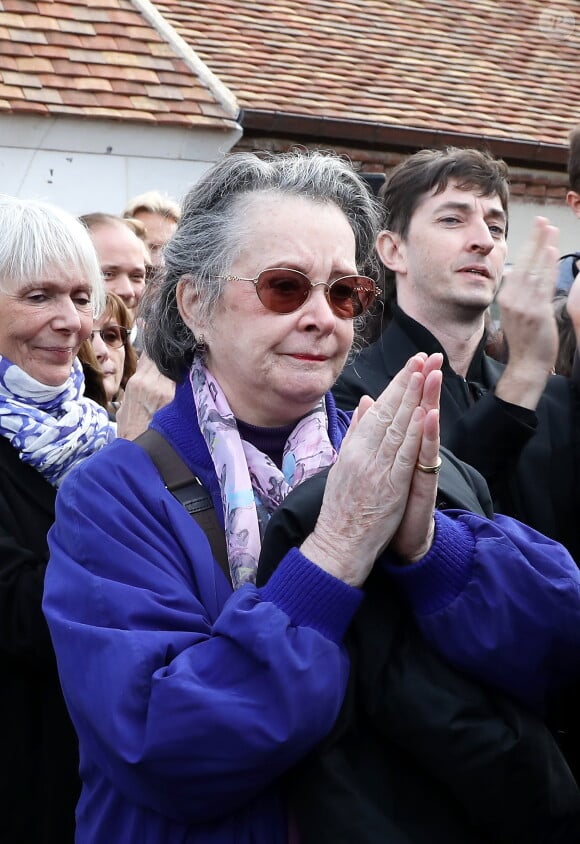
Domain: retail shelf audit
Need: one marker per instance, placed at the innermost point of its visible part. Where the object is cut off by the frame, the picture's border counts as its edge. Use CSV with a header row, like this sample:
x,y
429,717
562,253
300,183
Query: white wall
x,y
90,165
98,165
522,215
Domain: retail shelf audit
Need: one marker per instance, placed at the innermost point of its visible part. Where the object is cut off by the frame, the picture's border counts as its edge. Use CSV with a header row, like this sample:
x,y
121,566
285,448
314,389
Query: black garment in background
x,y
530,460
39,782
419,754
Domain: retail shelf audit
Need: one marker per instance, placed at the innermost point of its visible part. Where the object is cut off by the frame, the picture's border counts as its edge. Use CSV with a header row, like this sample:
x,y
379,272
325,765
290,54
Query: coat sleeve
x,y
490,436
499,601
189,701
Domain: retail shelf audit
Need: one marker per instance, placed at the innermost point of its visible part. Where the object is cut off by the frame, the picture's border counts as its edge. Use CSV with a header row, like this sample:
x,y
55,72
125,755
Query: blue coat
x,y
189,700
501,602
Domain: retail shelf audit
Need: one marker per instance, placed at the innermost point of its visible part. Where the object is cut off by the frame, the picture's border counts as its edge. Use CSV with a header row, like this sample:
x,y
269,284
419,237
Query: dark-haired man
x,y
445,246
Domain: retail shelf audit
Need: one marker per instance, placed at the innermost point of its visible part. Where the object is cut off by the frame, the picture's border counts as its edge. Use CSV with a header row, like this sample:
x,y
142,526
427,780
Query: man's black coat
x,y
420,754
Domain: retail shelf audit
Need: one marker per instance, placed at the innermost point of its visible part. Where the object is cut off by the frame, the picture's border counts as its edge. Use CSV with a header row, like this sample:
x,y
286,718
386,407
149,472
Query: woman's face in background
x,y
110,359
43,323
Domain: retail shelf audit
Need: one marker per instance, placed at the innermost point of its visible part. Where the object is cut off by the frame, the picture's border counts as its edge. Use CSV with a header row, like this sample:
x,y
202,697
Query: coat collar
x,y
404,337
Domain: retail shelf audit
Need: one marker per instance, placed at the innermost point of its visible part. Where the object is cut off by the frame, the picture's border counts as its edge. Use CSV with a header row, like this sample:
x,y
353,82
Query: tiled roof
x,y
506,70
100,58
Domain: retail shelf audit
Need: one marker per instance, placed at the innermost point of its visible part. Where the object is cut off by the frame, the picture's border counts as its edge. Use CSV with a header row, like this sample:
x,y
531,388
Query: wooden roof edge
x,y
308,128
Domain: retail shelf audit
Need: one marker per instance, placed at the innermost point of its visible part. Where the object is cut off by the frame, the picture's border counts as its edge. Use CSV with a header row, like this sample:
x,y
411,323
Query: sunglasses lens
x,y
351,296
282,291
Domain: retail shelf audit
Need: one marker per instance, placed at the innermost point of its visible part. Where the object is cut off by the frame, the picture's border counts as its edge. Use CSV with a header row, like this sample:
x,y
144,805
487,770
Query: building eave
x,y
396,137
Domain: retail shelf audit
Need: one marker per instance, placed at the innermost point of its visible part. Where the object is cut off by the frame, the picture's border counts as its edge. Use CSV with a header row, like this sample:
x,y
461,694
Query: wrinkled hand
x,y
368,488
146,392
415,535
527,318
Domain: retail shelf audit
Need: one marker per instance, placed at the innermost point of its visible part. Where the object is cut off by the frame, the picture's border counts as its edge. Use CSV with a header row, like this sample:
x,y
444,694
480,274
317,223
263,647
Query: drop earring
x,y
200,345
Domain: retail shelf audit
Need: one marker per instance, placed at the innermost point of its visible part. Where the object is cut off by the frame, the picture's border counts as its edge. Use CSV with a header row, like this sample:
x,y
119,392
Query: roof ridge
x,y
220,91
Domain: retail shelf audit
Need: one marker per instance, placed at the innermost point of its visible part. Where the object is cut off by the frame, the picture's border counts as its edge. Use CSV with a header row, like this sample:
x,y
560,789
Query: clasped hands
x,y
375,497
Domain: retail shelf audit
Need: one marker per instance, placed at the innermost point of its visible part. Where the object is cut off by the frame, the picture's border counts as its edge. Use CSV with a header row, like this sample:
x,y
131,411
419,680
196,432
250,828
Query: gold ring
x,y
430,470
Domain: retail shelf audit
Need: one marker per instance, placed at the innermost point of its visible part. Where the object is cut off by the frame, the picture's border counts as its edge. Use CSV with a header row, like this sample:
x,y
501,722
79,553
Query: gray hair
x,y
212,229
37,238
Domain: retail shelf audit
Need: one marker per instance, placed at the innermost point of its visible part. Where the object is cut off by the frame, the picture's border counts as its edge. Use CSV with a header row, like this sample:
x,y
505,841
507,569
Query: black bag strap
x,y
189,491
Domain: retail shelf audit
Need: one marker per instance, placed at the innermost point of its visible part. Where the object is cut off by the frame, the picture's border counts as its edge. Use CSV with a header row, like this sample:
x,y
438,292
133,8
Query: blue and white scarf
x,y
52,427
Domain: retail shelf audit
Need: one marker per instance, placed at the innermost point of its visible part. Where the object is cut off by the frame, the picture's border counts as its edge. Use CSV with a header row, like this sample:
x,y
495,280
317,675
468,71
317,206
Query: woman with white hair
x,y
50,289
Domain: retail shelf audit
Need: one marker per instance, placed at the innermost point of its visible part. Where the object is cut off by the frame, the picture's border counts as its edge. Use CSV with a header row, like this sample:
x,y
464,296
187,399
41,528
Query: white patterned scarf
x,y
52,427
251,484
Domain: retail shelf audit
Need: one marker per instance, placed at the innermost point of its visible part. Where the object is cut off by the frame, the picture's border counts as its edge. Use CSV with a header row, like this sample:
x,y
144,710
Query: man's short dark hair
x,y
574,160
431,170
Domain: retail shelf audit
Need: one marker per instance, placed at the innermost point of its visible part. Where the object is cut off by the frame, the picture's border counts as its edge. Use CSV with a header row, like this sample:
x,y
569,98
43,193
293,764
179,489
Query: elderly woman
x,y
192,690
50,290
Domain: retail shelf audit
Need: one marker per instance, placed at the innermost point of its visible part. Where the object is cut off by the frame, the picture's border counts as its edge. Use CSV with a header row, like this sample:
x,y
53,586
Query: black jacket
x,y
420,754
39,783
529,460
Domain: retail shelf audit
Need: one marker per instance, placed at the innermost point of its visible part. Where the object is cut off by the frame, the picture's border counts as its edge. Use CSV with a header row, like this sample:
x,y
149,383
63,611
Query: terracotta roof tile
x,y
94,84
31,64
100,42
9,91
137,33
103,58
77,27
25,80
12,20
169,93
45,95
38,22
123,86
24,106
23,36
7,63
486,68
8,47
161,49
21,6
79,98
131,45
124,18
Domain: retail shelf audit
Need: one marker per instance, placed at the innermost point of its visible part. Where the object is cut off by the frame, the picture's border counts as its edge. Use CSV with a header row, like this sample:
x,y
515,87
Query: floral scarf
x,y
251,484
52,427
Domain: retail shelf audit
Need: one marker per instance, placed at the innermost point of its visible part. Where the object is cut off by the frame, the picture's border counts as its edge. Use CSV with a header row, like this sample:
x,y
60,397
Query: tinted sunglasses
x,y
283,291
113,336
